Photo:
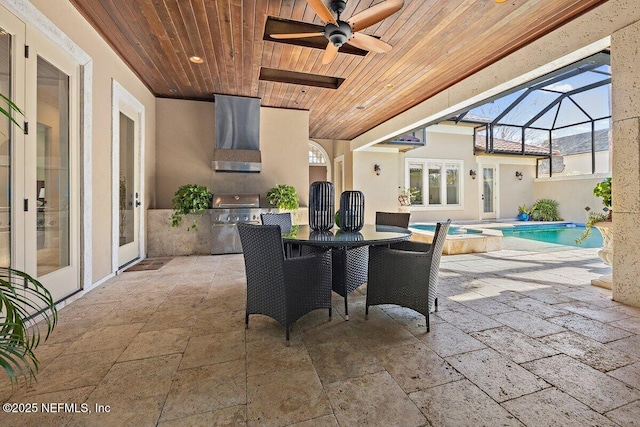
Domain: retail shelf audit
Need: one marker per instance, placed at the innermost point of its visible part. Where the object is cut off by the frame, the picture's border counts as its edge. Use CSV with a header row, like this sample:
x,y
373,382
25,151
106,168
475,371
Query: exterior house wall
x,y
186,140
107,65
514,192
573,194
380,191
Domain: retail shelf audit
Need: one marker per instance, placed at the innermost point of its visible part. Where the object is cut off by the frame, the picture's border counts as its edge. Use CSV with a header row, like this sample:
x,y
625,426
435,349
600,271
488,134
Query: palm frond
x,y
7,112
21,298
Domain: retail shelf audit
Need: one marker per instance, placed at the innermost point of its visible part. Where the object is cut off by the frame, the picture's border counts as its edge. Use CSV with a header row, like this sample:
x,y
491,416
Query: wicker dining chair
x,y
281,219
283,289
396,219
407,274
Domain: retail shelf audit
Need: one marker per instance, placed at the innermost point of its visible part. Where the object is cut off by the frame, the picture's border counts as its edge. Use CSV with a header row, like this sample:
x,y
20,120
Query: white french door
x,y
488,183
42,182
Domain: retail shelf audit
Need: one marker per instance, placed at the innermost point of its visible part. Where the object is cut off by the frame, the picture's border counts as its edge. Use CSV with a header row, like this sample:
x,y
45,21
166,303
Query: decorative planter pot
x,y
403,209
523,217
606,253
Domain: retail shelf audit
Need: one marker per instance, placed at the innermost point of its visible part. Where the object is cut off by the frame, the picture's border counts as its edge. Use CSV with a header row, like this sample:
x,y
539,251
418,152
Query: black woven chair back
x,y
439,237
263,253
281,219
396,219
352,210
321,205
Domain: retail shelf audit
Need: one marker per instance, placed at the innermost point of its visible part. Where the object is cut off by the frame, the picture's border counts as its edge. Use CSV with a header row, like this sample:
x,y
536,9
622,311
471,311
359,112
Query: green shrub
x,y
190,199
603,190
283,196
545,210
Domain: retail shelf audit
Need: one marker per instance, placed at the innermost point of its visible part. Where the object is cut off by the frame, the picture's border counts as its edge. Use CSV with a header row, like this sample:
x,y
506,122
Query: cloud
x,y
560,87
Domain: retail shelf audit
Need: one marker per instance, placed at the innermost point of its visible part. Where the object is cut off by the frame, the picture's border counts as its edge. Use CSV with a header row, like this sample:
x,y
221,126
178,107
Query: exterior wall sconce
x,y
519,175
472,174
377,169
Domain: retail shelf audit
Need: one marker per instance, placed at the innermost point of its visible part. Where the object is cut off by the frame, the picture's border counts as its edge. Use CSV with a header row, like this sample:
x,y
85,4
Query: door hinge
x,y
26,128
26,205
26,51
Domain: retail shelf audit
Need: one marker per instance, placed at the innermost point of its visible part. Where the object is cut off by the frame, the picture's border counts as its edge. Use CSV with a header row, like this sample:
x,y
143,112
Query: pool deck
x,y
489,240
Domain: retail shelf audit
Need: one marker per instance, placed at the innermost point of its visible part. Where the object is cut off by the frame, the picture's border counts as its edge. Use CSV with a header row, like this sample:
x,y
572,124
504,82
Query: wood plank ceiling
x,y
436,43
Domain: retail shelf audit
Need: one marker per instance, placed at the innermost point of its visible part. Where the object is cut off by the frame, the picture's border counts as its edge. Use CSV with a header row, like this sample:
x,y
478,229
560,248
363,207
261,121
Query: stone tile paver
x,y
499,377
591,387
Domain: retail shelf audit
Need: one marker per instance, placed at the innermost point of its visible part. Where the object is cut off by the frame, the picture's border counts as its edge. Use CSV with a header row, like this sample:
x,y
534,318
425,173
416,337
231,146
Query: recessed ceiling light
x,y
173,91
303,90
360,107
196,60
390,86
500,1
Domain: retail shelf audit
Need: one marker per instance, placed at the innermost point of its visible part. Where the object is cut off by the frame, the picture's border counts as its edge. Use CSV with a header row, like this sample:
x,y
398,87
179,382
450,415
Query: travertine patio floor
x,y
521,338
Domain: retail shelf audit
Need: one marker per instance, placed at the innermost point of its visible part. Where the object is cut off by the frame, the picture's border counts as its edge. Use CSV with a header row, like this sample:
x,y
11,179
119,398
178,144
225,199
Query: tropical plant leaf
x,y
11,107
21,298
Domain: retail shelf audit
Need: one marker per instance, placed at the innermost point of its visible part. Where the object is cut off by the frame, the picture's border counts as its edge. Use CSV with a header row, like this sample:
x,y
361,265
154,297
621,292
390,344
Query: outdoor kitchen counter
x,y
164,240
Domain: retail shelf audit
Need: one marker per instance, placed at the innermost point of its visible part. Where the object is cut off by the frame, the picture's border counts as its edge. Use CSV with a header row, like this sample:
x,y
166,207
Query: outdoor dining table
x,y
341,241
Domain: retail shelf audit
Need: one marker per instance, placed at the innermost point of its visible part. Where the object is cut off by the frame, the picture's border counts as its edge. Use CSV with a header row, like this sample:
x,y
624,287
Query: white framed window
x,y
438,181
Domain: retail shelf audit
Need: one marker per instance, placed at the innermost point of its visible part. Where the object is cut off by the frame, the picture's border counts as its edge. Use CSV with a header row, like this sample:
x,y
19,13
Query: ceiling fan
x,y
339,32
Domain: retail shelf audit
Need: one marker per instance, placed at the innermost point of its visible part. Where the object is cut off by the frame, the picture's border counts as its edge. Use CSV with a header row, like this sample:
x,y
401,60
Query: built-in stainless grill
x,y
228,211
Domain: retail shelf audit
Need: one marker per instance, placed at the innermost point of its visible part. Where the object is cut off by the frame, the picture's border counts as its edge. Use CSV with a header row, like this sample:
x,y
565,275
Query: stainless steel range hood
x,y
237,134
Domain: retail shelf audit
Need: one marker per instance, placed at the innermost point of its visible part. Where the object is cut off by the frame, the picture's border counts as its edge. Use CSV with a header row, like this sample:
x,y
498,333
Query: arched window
x,y
318,157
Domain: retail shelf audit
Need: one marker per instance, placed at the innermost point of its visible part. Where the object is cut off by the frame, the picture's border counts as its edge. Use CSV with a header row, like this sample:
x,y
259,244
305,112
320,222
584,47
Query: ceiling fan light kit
x,y
339,32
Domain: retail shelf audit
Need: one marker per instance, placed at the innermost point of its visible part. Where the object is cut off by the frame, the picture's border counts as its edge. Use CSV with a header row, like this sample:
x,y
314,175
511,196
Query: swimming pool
x,y
557,233
560,234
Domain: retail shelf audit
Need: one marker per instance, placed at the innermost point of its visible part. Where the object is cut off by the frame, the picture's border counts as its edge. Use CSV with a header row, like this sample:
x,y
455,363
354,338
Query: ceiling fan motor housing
x,y
338,6
338,34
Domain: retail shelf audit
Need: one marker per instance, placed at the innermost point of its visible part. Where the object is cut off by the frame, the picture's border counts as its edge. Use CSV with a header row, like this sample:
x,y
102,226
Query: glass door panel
x,y
127,180
129,186
5,152
488,192
52,189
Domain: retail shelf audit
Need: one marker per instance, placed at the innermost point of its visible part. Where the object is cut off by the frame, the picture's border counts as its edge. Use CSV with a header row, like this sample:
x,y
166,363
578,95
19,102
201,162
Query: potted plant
x,y
545,210
523,213
602,190
190,199
21,295
283,196
123,208
406,196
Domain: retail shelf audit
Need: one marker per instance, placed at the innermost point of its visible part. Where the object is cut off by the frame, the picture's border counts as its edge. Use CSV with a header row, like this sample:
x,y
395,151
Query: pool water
x,y
560,234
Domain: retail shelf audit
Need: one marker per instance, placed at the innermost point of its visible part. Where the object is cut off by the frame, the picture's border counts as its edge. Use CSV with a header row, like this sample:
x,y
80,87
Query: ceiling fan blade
x,y
330,53
295,35
321,10
375,14
366,42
